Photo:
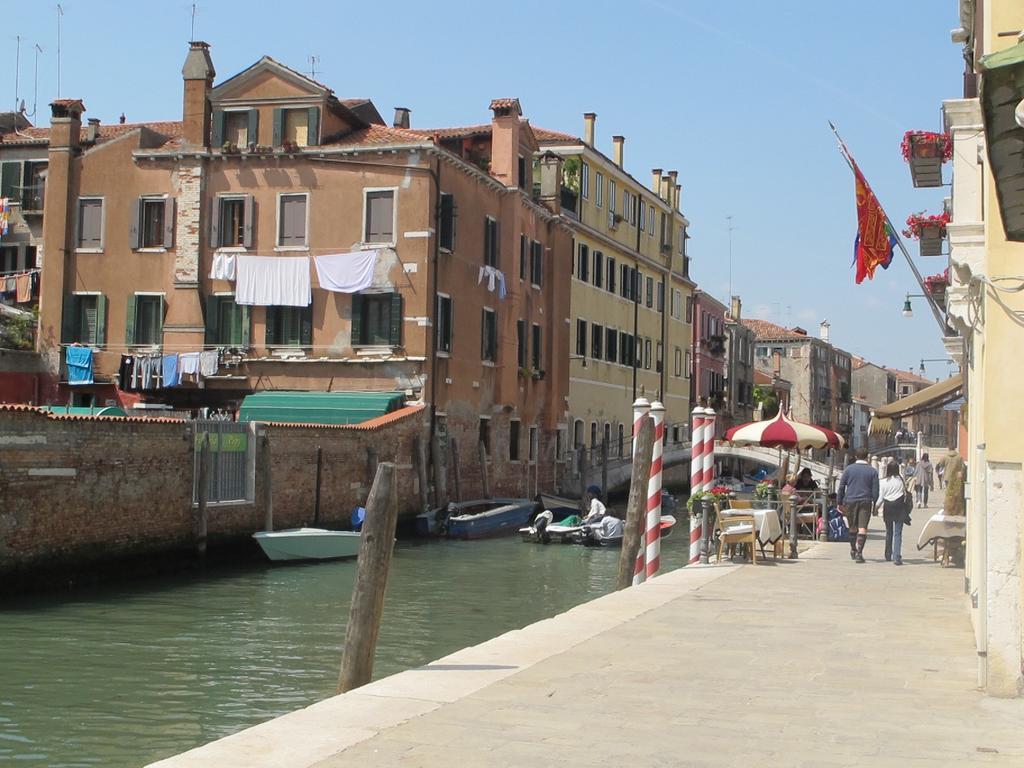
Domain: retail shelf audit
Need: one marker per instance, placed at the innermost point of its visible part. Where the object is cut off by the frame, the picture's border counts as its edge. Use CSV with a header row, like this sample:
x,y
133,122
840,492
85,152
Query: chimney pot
x,y
656,181
617,145
736,306
823,330
589,123
92,130
121,119
198,74
401,117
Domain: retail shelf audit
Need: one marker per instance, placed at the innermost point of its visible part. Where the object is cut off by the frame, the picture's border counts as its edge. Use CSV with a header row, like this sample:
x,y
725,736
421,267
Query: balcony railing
x,y
570,200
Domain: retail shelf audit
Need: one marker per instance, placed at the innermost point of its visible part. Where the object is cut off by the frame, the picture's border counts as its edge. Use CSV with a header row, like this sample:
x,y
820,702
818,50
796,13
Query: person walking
x,y
924,480
893,503
858,492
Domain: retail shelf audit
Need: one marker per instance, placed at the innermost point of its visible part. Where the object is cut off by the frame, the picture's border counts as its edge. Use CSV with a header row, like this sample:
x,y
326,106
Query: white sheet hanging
x,y
346,272
223,267
273,281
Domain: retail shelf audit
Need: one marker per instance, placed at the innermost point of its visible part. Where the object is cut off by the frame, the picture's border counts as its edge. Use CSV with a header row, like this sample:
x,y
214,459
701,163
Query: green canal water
x,y
123,676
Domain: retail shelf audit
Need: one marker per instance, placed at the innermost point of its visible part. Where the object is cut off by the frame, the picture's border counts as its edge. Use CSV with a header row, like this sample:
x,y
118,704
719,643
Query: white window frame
x,y
451,312
584,180
78,223
491,363
135,295
143,199
599,191
220,229
277,229
612,192
394,217
249,139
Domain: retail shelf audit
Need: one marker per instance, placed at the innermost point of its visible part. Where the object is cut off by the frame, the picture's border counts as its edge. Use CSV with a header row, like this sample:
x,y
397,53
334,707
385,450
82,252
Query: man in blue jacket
x,y
858,494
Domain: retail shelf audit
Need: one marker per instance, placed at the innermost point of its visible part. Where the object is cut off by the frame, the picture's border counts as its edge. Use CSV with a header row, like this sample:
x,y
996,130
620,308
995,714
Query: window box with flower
x,y
929,231
925,152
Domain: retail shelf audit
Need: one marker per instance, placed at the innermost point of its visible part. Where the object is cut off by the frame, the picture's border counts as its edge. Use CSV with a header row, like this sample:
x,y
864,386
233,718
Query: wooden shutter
x,y
483,335
395,332
521,338
212,320
215,223
135,224
293,220
522,257
244,340
101,320
90,224
169,222
161,311
446,225
249,223
270,325
357,319
129,323
10,181
497,243
305,326
253,131
313,127
69,320
278,126
217,141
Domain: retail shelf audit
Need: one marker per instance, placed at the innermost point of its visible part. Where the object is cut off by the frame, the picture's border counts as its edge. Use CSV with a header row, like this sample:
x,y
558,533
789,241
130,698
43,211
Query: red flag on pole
x,y
875,241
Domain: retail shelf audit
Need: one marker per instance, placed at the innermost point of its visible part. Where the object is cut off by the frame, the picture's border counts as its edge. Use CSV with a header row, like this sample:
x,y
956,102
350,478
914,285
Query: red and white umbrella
x,y
783,432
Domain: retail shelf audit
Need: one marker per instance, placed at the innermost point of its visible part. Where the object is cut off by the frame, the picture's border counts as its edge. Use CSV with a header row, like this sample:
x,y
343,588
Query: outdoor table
x,y
951,530
766,521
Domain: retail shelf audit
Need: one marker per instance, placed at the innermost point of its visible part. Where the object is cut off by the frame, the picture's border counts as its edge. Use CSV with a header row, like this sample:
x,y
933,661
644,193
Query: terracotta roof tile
x,y
370,425
510,103
764,330
376,135
169,128
548,135
24,408
455,132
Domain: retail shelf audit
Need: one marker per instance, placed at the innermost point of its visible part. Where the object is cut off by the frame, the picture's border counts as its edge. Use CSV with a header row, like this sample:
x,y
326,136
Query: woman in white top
x,y
894,512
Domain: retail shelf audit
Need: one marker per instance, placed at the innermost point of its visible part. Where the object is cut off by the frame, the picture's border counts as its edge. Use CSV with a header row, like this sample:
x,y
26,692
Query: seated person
x,y
804,481
595,509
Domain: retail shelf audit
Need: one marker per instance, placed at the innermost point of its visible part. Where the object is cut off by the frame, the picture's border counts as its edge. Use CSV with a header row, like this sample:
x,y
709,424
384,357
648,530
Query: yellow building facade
x,y
631,296
986,306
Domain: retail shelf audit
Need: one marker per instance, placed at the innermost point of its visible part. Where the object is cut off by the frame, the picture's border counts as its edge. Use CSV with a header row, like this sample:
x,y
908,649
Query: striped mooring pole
x,y
641,409
652,539
696,478
708,473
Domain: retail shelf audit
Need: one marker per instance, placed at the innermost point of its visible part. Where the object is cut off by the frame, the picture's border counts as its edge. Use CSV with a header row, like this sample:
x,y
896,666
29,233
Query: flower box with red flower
x,y
930,231
936,285
925,152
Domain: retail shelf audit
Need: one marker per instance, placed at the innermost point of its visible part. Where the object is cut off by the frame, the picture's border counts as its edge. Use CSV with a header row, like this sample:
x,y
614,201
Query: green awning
x,y
78,410
319,407
1002,101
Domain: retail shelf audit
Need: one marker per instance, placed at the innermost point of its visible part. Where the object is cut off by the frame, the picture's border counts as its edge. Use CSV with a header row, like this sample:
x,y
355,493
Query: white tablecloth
x,y
765,520
942,526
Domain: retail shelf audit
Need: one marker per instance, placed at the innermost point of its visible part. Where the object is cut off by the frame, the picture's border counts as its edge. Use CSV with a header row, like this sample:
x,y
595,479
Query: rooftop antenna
x,y
17,70
192,31
35,83
313,61
60,15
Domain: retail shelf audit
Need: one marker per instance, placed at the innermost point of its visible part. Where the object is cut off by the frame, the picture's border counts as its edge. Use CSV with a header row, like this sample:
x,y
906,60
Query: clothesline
x,y
20,272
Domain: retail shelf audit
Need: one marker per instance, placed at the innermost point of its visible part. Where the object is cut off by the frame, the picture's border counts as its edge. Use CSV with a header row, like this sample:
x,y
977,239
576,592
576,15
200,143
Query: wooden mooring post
x,y
375,547
204,474
440,461
419,454
458,469
485,479
316,493
636,507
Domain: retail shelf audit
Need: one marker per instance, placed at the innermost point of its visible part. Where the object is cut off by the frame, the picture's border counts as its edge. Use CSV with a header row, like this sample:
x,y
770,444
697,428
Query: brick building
x,y
739,368
707,380
138,231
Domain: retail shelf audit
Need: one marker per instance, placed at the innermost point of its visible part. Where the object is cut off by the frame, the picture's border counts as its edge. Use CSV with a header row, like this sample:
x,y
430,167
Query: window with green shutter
x,y
145,320
85,319
443,327
446,226
227,323
489,336
289,326
10,180
377,320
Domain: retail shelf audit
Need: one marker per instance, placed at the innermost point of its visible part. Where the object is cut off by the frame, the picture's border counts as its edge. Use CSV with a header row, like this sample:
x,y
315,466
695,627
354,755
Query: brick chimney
x,y
198,73
656,181
401,117
672,189
551,182
58,223
589,124
617,146
505,141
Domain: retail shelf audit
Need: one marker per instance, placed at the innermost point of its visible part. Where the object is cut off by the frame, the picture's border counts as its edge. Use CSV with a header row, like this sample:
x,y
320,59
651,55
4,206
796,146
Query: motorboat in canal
x,y
308,544
543,530
486,518
607,533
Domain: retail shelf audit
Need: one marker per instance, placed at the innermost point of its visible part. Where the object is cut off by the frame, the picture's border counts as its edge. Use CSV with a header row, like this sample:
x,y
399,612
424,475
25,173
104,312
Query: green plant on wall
x,y
571,173
765,398
18,332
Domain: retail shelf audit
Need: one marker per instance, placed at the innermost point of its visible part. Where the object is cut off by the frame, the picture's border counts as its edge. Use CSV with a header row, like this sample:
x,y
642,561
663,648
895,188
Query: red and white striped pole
x,y
641,409
696,478
709,448
652,539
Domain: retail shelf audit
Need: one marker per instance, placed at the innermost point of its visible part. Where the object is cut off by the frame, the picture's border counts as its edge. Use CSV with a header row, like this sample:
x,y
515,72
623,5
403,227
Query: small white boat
x,y
308,544
543,531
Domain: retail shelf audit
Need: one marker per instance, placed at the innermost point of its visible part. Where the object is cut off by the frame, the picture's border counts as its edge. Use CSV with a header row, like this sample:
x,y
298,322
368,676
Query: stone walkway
x,y
818,662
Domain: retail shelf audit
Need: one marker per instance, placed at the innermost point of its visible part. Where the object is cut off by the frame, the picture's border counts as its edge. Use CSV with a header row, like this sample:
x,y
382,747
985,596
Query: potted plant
x,y
229,148
537,374
929,231
925,152
763,493
524,373
289,146
936,284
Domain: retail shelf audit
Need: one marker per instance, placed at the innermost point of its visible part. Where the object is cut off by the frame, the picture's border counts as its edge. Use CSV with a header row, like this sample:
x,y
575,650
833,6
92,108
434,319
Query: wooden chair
x,y
737,529
807,513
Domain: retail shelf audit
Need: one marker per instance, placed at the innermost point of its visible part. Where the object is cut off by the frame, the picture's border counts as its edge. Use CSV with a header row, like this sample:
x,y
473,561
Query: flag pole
x,y
939,318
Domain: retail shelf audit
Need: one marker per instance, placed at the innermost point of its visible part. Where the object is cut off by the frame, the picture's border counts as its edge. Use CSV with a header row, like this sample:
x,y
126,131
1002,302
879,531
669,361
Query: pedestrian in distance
x,y
925,480
894,503
858,492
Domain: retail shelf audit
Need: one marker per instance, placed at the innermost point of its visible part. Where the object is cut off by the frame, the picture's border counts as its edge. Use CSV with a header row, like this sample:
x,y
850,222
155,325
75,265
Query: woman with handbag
x,y
893,503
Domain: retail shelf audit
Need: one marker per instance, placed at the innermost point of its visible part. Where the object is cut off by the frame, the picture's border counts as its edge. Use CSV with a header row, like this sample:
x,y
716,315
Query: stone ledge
x,y
307,736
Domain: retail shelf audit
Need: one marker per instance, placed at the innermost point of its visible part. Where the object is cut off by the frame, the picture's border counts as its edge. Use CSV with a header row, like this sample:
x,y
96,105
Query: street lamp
x,y
934,360
908,311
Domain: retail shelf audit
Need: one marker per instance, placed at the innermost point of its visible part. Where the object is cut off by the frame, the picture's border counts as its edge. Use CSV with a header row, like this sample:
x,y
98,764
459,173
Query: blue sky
x,y
735,95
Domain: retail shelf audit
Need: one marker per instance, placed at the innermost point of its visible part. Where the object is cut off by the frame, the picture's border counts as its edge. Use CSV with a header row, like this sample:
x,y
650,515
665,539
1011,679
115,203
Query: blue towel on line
x,y
79,362
171,375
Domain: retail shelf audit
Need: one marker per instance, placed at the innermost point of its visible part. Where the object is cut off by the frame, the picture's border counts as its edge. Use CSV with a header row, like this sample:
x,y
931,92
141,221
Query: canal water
x,y
124,676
